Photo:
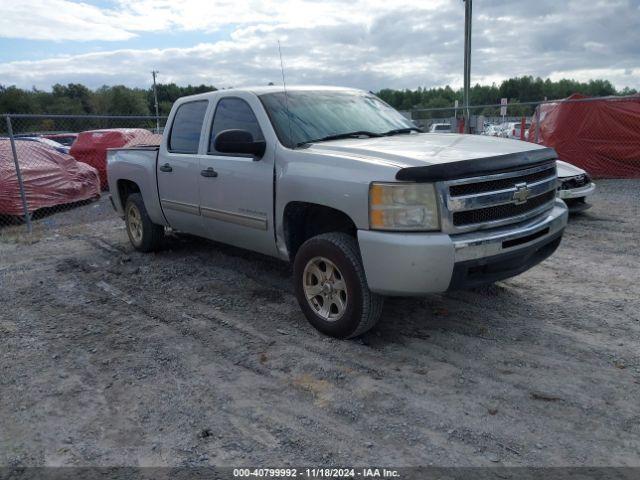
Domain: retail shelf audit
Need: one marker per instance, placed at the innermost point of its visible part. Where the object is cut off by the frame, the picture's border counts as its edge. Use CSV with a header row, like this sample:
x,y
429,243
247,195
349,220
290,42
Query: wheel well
x,y
305,220
126,188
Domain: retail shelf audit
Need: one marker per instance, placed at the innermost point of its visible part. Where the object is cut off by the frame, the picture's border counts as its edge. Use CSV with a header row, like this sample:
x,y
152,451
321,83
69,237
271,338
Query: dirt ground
x,y
199,355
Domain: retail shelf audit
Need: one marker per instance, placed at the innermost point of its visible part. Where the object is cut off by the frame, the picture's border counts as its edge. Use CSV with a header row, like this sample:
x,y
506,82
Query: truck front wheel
x,y
144,235
331,286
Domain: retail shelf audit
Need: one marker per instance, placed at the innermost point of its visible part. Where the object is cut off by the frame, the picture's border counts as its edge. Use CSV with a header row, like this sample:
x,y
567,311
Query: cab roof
x,y
260,90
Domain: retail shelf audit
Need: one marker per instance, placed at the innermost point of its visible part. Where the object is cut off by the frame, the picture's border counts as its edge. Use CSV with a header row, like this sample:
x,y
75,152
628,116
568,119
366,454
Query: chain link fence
x,y
54,164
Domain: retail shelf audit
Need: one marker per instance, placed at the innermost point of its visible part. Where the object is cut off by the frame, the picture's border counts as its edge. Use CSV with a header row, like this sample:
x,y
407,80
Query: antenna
x,y
286,96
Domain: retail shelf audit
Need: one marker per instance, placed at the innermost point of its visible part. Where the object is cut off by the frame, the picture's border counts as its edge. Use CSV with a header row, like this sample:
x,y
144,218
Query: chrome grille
x,y
489,214
499,184
499,199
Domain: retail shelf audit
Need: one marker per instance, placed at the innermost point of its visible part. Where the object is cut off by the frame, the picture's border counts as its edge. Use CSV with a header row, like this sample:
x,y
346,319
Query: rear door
x,y
178,167
236,190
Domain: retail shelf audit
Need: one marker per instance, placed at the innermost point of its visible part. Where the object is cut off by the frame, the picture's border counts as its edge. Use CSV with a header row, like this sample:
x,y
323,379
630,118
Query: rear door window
x,y
234,113
186,127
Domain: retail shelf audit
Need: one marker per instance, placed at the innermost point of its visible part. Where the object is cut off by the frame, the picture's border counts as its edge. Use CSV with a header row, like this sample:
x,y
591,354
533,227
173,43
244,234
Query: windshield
x,y
317,114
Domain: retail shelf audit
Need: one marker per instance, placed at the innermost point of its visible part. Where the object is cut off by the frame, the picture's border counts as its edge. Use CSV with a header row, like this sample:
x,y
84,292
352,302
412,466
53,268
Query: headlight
x,y
403,206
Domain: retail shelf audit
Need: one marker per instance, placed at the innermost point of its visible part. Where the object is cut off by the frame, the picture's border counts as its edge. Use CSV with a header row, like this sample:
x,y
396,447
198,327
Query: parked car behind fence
x,y
575,186
91,146
601,136
47,141
65,139
33,182
440,128
50,178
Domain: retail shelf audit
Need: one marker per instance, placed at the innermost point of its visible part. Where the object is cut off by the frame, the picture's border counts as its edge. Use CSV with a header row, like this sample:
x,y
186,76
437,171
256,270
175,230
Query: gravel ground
x,y
199,355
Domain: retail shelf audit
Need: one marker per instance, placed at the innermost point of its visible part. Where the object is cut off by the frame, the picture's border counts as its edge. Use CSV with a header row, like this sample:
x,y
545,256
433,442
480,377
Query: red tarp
x,y
600,136
150,139
50,178
91,147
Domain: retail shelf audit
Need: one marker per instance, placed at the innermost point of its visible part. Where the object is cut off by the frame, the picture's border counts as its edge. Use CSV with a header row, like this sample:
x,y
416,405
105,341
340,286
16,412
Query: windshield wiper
x,y
398,131
339,136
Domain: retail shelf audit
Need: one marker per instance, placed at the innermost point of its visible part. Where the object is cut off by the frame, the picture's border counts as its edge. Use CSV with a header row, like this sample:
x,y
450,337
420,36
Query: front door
x,y
236,191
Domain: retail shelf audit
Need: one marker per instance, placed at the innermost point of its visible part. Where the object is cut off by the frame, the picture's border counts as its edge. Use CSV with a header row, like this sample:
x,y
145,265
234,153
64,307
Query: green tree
x,y
77,93
75,98
121,100
16,100
170,92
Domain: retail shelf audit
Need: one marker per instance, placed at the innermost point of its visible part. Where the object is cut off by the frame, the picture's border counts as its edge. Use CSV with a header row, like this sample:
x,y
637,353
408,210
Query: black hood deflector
x,y
477,167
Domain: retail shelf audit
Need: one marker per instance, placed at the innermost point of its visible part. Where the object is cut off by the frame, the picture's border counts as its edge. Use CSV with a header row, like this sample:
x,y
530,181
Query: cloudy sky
x,y
367,44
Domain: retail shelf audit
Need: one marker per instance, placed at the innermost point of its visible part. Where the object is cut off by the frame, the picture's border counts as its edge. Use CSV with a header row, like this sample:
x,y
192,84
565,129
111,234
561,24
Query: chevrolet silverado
x,y
337,182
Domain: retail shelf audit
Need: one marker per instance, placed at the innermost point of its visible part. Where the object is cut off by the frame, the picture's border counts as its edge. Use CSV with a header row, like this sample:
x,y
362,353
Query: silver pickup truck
x,y
342,185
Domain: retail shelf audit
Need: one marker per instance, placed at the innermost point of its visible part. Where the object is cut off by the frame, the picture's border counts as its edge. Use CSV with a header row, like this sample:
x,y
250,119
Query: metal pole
x,y
467,63
23,196
155,99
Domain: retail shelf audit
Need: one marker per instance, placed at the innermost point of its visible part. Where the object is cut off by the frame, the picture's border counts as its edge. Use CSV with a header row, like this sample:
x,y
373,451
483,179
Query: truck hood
x,y
422,149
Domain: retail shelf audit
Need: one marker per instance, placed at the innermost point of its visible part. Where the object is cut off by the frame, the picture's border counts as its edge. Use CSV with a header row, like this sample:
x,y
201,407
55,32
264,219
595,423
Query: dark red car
x,y
91,146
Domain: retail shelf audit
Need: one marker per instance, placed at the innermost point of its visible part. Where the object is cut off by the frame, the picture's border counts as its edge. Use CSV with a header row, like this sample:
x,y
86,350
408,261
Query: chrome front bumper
x,y
580,192
421,263
482,244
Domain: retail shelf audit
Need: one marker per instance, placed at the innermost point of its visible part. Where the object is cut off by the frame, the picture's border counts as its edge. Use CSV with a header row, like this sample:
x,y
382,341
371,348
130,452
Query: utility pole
x,y
155,99
467,63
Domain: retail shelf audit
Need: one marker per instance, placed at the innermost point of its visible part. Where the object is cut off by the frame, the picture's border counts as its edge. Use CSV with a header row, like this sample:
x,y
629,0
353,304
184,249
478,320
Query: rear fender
x,y
137,165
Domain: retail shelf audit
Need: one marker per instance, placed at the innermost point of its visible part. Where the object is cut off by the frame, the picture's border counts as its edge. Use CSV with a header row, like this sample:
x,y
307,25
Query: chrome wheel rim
x,y
134,223
325,288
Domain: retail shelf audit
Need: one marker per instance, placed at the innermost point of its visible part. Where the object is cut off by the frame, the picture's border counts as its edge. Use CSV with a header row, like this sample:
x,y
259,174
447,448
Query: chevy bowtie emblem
x,y
521,195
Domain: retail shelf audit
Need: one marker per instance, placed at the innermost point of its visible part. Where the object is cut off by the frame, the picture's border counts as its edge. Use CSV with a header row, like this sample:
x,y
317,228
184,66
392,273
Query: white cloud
x,y
68,20
59,20
367,44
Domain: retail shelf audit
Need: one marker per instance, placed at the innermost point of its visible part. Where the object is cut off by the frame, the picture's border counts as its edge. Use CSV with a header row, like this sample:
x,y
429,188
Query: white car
x,y
440,128
501,130
512,130
492,130
575,186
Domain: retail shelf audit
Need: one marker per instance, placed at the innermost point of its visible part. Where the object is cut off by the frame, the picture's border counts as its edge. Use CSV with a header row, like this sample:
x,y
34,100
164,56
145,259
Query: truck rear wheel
x,y
331,286
144,235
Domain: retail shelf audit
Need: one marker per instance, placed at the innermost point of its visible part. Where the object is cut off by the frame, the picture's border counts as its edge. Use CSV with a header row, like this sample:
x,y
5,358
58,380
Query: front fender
x,y
331,181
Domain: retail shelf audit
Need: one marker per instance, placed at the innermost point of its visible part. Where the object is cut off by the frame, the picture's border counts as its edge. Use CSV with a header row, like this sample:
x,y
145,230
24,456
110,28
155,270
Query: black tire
x,y
363,308
147,238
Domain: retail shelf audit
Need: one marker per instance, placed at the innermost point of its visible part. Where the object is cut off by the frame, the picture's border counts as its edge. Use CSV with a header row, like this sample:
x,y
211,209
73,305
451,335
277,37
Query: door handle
x,y
209,172
166,168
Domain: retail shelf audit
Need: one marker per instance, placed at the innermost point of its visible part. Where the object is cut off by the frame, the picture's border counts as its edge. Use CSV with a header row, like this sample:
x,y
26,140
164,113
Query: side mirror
x,y
239,141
